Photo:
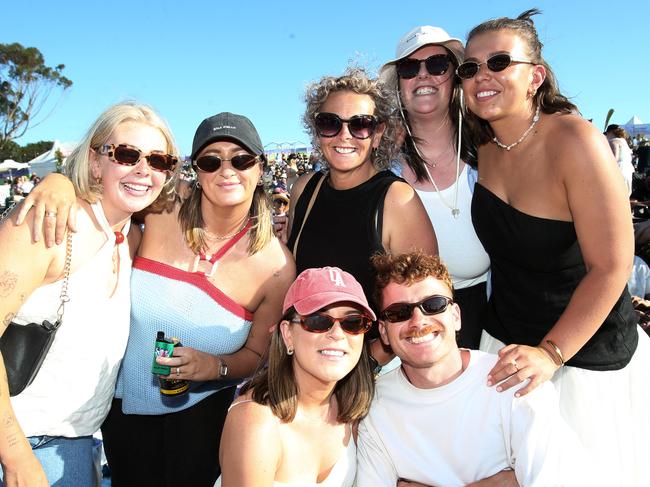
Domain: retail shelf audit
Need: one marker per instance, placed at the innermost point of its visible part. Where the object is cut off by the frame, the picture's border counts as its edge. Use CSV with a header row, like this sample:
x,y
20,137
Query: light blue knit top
x,y
184,305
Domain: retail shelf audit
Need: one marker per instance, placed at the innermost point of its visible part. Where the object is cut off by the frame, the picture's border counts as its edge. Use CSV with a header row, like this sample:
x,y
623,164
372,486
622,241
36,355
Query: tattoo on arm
x,y
7,319
8,281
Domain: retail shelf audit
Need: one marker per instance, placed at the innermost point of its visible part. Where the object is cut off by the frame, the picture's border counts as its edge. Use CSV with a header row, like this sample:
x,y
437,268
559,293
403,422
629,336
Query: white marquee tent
x,y
46,162
636,127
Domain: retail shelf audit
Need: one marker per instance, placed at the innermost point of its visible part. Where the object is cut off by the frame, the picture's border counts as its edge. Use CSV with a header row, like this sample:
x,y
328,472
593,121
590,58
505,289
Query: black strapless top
x,y
536,265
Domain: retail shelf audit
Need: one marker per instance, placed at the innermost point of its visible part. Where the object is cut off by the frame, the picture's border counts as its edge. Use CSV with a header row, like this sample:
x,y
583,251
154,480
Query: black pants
x,y
472,301
177,449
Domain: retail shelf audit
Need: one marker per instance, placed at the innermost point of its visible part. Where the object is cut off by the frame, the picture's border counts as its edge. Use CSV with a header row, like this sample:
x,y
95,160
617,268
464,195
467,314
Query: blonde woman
x,y
121,166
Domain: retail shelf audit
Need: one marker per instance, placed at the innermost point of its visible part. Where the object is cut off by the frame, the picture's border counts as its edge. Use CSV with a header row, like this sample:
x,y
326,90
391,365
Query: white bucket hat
x,y
424,35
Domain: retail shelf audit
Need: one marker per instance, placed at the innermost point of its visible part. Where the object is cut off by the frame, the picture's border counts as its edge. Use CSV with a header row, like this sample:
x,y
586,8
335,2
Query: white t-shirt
x,y
464,431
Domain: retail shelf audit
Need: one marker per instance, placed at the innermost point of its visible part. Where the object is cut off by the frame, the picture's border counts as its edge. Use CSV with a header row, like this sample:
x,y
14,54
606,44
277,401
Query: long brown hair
x,y
548,96
275,386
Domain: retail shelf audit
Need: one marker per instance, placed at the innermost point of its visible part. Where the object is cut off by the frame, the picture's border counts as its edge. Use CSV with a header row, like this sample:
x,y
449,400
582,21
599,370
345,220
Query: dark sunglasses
x,y
436,65
360,126
496,63
322,323
129,155
432,305
210,163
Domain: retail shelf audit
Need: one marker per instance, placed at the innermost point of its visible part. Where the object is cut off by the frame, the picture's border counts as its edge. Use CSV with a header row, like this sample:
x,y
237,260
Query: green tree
x,y
10,150
58,155
25,85
34,149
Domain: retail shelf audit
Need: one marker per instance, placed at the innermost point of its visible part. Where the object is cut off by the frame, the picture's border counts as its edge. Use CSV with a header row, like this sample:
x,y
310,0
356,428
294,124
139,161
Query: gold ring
x,y
514,362
178,371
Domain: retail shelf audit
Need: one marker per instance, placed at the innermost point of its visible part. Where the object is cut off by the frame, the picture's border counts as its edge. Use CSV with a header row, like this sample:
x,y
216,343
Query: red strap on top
x,y
220,253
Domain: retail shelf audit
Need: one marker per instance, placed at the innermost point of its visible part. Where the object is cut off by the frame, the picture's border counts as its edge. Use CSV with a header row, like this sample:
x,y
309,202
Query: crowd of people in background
x,y
463,243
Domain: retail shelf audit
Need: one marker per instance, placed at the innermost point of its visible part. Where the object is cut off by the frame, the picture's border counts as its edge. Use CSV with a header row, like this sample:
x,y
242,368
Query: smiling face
x,y
427,94
493,95
343,152
128,189
324,357
227,186
422,341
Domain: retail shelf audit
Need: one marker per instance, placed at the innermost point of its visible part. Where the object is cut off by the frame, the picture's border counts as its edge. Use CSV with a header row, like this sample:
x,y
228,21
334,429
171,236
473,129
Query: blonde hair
x,y
276,385
357,81
78,163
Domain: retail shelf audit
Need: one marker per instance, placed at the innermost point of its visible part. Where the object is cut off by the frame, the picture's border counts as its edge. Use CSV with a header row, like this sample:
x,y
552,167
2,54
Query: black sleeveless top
x,y
343,228
536,266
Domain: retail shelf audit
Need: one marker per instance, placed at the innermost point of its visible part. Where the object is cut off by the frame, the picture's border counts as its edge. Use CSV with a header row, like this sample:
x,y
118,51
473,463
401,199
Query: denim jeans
x,y
68,462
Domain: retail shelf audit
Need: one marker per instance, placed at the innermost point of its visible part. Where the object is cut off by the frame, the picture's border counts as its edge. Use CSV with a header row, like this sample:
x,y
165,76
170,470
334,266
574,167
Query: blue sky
x,y
193,59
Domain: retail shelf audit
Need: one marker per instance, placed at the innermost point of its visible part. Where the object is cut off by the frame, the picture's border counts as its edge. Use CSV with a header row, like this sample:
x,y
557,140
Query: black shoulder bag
x,y
24,347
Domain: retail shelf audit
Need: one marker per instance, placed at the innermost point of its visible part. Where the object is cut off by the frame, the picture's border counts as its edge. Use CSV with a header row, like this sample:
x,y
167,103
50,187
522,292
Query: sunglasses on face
x,y
432,305
496,63
322,323
128,155
436,65
360,126
211,163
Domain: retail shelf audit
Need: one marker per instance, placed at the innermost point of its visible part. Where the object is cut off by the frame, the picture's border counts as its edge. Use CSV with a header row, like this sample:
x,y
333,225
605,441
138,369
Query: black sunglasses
x,y
322,322
496,63
129,155
436,65
211,163
432,305
360,126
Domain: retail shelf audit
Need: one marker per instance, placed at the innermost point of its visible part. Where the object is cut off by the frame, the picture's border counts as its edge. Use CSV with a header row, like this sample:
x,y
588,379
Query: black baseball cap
x,y
227,126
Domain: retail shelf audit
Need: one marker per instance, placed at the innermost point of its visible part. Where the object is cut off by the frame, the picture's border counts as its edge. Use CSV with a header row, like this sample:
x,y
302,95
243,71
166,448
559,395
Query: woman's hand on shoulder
x,y
250,449
518,364
407,226
55,208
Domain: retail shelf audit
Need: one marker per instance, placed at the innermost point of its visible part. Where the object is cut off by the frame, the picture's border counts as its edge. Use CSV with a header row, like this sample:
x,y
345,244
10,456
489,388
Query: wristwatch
x,y
223,368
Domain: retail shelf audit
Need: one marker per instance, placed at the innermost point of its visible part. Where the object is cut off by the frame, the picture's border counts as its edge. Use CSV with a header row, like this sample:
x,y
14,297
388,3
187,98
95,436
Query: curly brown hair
x,y
357,81
407,269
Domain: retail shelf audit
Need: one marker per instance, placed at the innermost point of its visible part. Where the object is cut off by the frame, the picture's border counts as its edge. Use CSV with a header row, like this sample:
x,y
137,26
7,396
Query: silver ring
x,y
178,371
50,214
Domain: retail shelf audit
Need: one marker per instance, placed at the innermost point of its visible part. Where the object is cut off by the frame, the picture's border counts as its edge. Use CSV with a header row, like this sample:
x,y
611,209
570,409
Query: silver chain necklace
x,y
523,136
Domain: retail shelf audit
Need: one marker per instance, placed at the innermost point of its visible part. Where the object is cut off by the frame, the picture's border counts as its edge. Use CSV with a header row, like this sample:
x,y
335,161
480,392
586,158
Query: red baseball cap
x,y
315,289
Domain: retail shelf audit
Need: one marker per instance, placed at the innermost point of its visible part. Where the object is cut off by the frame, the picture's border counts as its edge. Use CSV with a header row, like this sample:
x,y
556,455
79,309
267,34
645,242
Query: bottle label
x,y
162,349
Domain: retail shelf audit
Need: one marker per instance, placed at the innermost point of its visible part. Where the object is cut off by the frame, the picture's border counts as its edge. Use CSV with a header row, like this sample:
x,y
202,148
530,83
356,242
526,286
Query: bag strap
x,y
304,220
66,279
64,298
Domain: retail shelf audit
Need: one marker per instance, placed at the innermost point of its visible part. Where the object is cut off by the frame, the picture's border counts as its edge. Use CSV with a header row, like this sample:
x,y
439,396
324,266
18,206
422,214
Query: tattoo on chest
x,y
8,281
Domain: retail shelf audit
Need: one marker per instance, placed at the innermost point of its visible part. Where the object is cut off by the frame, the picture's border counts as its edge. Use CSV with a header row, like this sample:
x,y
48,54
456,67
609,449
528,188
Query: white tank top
x,y
460,249
73,390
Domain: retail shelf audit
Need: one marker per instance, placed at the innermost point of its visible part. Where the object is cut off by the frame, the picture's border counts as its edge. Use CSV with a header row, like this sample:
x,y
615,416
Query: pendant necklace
x,y
455,211
119,238
523,136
